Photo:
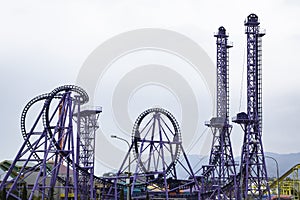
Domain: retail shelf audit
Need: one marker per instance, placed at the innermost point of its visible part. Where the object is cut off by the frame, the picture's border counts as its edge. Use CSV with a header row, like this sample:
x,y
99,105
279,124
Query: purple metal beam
x,y
253,181
156,144
85,156
48,154
221,170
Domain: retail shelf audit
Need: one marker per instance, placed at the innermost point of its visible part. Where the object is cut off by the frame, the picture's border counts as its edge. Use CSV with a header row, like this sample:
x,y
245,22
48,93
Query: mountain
x,y
285,162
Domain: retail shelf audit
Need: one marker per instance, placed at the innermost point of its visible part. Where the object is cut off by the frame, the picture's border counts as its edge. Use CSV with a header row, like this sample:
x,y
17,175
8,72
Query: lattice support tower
x,y
253,174
87,126
221,169
46,162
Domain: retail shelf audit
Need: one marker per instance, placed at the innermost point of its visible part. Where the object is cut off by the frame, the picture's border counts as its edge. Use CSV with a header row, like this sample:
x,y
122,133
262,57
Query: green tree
x,y
24,192
3,194
51,193
147,196
122,194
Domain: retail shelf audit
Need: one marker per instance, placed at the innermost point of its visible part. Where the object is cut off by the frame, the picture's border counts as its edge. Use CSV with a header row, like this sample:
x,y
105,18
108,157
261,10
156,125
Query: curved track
x,y
61,91
48,97
58,93
24,132
156,131
78,94
50,134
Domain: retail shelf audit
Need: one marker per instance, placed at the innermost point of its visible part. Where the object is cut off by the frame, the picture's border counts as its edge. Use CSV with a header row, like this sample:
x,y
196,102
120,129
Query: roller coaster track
x,y
46,97
177,135
24,132
42,97
286,174
79,96
57,93
83,98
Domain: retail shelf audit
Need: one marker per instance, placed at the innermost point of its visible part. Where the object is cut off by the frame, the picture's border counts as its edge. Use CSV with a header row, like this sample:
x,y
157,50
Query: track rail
x,y
136,135
57,93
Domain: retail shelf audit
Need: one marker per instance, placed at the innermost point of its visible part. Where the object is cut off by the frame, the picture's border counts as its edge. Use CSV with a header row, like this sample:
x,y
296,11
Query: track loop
x,y
24,132
157,139
83,96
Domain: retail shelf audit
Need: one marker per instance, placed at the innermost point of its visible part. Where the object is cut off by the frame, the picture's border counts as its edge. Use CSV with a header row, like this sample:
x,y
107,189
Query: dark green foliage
x,y
147,196
24,192
51,193
3,194
122,194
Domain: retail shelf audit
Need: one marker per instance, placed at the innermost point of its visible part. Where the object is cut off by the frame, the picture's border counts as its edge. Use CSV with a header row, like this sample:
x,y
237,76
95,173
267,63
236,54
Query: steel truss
x,y
253,179
220,172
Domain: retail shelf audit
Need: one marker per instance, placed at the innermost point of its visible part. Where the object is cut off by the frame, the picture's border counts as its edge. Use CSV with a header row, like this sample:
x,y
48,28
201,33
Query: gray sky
x,y
45,43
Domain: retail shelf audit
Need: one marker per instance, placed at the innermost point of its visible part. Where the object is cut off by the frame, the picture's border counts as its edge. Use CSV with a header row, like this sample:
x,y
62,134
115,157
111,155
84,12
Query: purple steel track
x,y
48,155
56,159
156,144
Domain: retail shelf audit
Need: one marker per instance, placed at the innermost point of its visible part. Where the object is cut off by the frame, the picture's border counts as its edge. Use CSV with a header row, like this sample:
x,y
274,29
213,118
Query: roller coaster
x,y
56,153
56,159
288,183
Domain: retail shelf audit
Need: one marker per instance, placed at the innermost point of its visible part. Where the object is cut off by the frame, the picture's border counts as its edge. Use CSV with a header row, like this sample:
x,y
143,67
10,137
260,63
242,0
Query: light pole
x,y
277,172
129,161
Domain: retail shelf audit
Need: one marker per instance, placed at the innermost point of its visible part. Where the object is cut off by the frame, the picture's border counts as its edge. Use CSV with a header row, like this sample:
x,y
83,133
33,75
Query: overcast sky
x,y
43,44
